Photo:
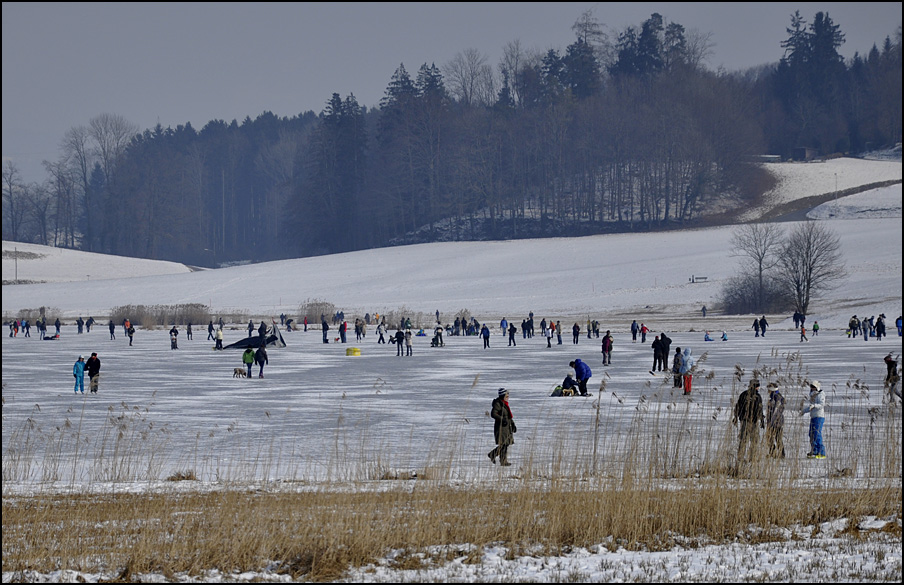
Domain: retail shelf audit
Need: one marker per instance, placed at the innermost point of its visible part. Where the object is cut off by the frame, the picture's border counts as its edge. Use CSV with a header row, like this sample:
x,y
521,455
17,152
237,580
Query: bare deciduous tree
x,y
111,133
760,245
14,202
810,263
469,79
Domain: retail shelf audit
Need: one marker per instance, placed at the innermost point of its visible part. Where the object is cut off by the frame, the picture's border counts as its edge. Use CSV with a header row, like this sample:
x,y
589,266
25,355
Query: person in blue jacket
x,y
582,373
78,371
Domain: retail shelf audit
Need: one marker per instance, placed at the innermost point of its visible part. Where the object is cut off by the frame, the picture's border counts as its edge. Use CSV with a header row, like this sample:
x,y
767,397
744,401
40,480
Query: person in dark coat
x,y
504,428
325,329
485,333
250,327
749,410
112,327
607,348
763,326
400,342
92,366
756,326
210,336
511,331
676,369
657,355
260,358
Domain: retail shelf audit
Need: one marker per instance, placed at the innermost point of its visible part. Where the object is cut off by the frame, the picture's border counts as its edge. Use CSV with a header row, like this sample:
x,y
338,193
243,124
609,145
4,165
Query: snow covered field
x,y
321,418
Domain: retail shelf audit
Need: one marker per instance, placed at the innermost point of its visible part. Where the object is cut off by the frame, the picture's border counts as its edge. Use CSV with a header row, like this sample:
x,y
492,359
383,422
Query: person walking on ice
x,y
78,372
92,366
504,428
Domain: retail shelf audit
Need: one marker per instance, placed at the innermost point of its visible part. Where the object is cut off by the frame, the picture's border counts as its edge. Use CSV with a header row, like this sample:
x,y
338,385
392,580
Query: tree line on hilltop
x,y
624,133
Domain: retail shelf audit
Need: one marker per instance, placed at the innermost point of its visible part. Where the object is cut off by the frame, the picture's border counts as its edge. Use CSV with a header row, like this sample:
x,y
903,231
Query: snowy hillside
x,y
32,263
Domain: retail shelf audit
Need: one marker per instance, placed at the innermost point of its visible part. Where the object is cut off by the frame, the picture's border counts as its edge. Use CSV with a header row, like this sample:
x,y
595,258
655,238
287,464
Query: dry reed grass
x,y
320,534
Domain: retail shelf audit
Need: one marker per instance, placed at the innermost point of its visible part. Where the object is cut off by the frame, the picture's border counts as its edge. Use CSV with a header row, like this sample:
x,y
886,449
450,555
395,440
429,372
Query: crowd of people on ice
x,y
748,411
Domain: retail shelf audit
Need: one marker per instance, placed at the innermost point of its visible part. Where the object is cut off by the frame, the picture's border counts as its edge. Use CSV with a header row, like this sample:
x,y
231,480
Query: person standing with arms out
x,y
607,348
749,410
78,372
93,368
775,421
817,409
504,428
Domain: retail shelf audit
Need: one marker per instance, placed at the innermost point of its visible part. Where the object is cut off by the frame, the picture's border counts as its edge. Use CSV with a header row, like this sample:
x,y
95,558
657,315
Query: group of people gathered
x,y
749,413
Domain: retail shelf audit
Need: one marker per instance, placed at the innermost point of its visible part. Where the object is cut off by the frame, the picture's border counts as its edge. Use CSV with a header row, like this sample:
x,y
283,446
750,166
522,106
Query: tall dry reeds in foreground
x,y
320,533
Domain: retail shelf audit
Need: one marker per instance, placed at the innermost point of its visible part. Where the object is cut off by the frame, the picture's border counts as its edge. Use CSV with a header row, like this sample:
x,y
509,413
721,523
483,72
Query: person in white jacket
x,y
817,410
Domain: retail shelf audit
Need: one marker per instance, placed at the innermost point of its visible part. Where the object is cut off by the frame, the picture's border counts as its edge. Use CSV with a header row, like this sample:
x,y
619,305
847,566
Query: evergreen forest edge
x,y
629,134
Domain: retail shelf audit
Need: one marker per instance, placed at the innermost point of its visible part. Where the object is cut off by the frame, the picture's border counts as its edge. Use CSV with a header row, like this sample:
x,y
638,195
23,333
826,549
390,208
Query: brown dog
x,y
239,373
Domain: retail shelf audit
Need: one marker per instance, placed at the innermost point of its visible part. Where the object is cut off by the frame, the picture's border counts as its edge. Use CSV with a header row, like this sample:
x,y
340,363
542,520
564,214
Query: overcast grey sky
x,y
172,63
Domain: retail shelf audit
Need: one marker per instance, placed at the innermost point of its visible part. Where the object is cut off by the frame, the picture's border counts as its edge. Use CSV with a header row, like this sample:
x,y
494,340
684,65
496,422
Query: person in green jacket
x,y
248,359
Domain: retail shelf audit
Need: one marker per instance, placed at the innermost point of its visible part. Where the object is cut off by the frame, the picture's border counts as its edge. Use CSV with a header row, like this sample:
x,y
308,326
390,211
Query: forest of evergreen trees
x,y
629,133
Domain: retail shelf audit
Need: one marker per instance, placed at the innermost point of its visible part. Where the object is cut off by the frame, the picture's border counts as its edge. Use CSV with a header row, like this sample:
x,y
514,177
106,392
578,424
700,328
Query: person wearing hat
x,y
817,410
749,410
504,428
775,421
78,372
93,367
